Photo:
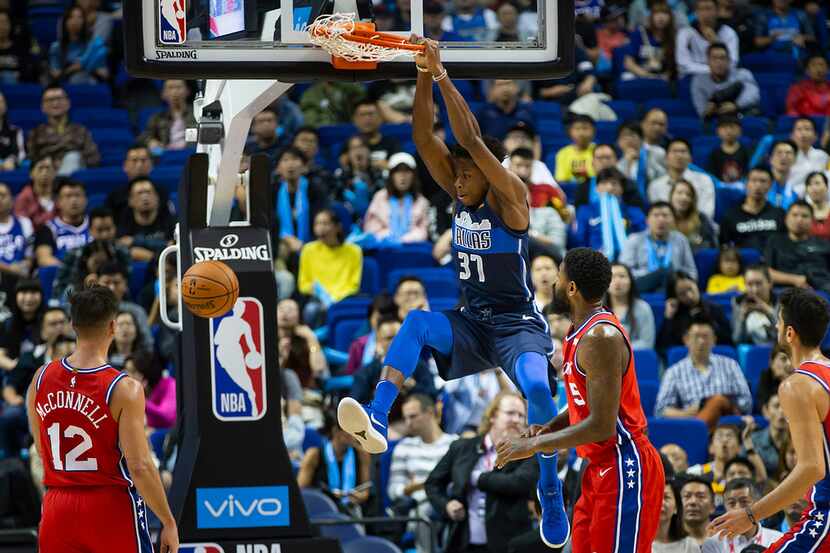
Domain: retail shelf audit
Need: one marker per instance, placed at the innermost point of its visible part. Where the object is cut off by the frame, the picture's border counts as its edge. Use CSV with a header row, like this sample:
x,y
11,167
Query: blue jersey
x,y
491,261
15,239
68,237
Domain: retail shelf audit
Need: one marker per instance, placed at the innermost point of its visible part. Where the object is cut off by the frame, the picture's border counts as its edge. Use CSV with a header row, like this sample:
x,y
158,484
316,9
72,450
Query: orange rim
x,y
365,33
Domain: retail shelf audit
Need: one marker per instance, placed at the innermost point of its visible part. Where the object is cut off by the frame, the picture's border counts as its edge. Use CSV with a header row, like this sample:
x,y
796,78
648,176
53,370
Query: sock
x,y
548,471
385,394
532,374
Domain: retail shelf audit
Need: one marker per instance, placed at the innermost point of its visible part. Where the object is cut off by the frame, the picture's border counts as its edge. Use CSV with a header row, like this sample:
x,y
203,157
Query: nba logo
x,y
172,22
237,359
200,548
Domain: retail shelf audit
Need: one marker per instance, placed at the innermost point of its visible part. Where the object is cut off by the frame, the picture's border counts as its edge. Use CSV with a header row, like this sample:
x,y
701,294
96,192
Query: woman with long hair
x,y
77,57
399,212
652,47
16,64
816,194
37,199
159,389
694,225
634,313
127,341
780,367
19,333
12,145
671,536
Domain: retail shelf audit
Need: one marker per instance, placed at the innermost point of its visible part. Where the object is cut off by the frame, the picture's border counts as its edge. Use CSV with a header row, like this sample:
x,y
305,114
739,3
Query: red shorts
x,y
619,508
809,534
101,519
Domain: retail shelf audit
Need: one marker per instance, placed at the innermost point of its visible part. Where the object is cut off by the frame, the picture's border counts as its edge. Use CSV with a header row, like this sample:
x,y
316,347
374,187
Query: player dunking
x,y
88,422
805,399
499,324
622,488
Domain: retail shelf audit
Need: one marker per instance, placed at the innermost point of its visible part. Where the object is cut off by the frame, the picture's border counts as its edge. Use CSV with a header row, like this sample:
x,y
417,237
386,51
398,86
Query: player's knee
x,y
531,371
416,325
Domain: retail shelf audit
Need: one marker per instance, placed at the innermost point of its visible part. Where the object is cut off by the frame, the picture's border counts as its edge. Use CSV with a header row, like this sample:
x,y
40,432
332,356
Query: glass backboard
x,y
232,39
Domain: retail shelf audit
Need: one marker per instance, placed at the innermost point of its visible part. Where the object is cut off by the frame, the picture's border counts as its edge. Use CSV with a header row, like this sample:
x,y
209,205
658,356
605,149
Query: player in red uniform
x,y
622,488
88,422
805,398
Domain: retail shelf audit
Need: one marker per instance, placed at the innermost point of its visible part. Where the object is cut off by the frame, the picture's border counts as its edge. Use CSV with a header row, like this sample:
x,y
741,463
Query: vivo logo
x,y
248,507
229,240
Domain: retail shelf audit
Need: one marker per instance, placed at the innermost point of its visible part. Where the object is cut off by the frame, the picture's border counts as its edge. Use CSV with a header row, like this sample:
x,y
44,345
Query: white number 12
x,y
72,462
465,259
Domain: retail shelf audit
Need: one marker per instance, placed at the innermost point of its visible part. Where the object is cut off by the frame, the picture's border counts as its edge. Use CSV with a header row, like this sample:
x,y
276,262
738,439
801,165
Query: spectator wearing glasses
x,y
740,494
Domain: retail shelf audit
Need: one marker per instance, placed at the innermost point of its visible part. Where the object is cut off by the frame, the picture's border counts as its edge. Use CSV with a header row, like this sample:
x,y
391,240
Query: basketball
x,y
253,360
209,289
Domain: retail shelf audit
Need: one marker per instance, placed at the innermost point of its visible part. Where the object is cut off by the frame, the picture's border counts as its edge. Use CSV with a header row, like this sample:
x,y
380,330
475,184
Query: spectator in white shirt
x,y
678,158
694,40
808,158
740,494
414,458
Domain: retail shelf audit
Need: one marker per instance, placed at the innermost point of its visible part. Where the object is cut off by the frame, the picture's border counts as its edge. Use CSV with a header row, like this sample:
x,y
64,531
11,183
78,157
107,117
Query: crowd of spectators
x,y
689,146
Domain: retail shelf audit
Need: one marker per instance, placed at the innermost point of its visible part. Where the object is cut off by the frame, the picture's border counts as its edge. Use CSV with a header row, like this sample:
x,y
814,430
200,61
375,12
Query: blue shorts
x,y
481,342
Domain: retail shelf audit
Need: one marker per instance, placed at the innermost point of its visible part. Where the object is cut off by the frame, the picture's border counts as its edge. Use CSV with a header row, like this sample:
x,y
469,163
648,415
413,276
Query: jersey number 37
x,y
465,260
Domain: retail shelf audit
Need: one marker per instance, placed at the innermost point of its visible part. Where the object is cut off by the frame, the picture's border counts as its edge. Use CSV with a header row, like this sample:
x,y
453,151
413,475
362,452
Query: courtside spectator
x,y
724,89
811,96
543,274
16,237
68,230
653,254
808,158
783,29
485,508
127,339
367,118
698,229
685,304
12,145
413,459
504,109
166,129
574,162
817,196
678,159
739,495
728,277
146,227
755,313
752,223
651,48
70,145
633,313
694,40
698,501
729,162
398,212
20,331
703,384
671,534
78,56
795,257
87,260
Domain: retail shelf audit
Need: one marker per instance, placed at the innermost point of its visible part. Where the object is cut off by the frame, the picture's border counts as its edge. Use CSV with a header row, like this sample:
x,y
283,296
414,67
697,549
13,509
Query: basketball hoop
x,y
355,44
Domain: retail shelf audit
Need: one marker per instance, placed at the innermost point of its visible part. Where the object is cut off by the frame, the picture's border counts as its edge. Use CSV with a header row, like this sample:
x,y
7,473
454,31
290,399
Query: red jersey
x,y
78,434
631,421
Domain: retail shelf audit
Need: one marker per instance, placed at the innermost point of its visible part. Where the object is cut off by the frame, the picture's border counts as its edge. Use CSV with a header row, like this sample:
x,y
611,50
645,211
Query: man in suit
x,y
485,508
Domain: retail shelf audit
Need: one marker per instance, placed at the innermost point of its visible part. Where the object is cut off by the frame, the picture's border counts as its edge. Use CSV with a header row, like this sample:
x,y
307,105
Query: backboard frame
x,y
143,56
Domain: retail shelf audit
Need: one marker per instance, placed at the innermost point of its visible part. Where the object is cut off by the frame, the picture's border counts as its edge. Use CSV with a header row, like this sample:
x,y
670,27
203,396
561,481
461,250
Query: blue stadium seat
x,y
543,111
784,124
773,98
754,127
606,132
657,302
157,441
439,282
648,396
176,158
724,301
648,365
145,114
22,96
641,90
338,383
401,133
417,255
336,134
760,63
754,360
677,353
702,147
626,110
690,434
15,179
343,533
26,119
549,129
317,503
353,307
672,106
96,200
370,277
101,181
101,118
113,138
725,199
89,95
345,332
685,126
370,544
46,276
167,177
138,274
384,466
43,23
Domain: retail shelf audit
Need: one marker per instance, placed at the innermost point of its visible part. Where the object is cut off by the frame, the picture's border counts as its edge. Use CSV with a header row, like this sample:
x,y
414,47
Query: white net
x,y
327,32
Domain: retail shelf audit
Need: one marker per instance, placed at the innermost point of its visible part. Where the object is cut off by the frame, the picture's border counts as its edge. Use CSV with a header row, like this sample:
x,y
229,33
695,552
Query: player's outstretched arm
x,y
127,405
805,405
602,355
431,148
507,187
